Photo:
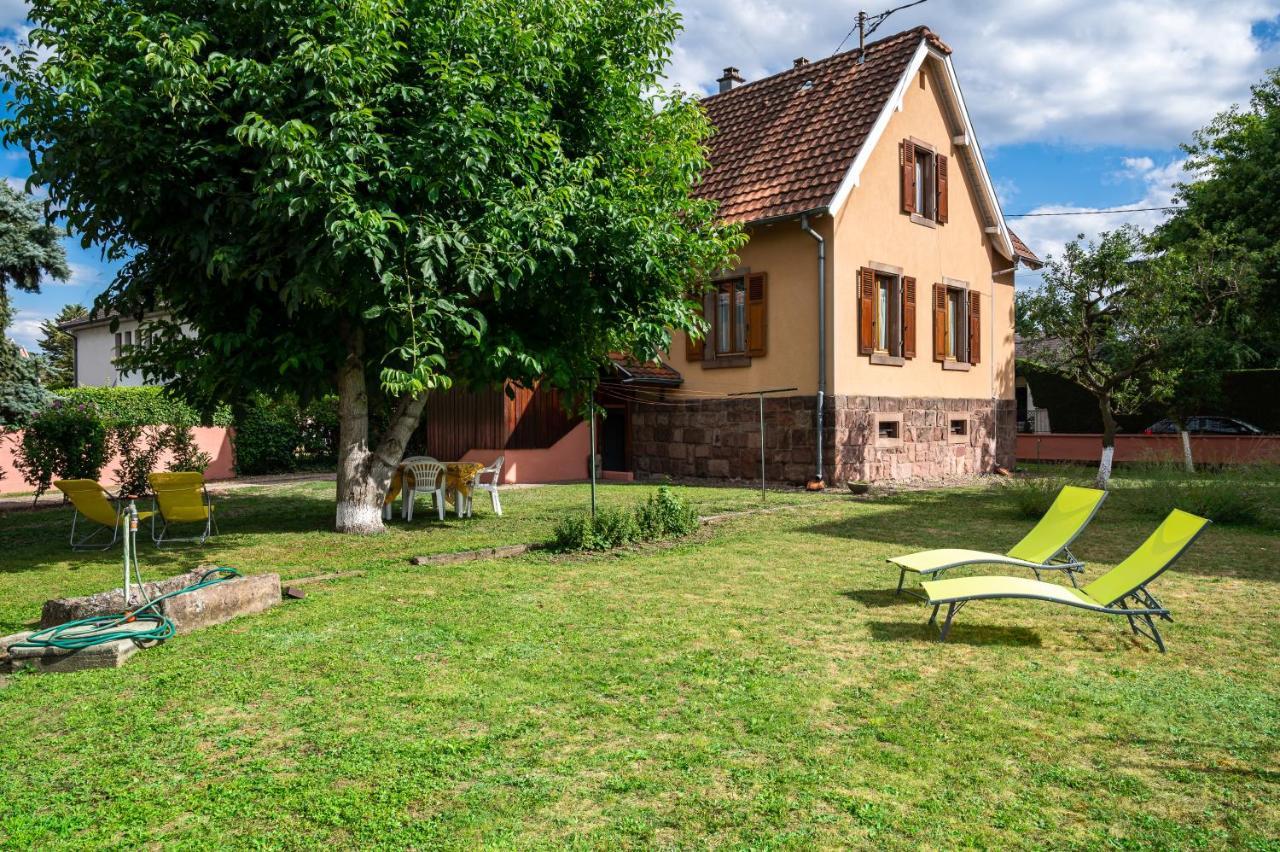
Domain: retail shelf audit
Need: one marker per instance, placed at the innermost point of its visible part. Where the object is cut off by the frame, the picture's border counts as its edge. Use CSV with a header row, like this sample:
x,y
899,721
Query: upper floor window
x,y
736,310
924,182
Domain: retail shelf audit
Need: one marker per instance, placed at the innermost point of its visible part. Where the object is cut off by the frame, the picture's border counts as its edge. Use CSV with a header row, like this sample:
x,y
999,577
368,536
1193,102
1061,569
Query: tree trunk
x,y
1108,441
364,474
1187,461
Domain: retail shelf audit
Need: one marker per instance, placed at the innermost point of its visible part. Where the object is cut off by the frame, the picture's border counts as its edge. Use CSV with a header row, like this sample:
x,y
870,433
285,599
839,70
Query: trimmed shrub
x,y
267,436
64,442
142,406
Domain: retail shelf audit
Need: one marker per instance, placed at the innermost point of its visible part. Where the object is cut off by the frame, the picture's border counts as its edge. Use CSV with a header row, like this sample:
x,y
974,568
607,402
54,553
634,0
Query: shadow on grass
x,y
880,598
961,634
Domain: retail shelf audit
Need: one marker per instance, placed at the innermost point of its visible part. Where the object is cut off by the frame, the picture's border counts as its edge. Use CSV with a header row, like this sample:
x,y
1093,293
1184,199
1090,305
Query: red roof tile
x,y
783,144
645,372
1023,251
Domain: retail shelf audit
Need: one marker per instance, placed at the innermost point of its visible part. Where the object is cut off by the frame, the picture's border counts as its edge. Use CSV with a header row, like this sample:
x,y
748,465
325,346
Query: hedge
x,y
142,406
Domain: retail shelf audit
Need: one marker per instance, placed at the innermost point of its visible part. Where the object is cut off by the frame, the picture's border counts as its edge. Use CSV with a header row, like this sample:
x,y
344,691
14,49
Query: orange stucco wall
x,y
567,459
871,228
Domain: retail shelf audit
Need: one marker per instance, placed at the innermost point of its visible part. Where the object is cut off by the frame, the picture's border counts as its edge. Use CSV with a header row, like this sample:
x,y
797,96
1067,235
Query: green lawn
x,y
756,686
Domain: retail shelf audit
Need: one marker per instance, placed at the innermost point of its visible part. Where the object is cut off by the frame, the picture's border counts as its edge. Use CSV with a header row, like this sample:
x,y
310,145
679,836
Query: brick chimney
x,y
730,79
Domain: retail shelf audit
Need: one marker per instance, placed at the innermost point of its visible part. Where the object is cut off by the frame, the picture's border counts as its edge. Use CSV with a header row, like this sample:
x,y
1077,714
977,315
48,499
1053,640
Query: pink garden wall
x,y
214,440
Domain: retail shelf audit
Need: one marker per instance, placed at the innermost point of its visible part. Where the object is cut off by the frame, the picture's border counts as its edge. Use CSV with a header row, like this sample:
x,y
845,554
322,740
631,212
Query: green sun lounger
x,y
1120,591
1045,548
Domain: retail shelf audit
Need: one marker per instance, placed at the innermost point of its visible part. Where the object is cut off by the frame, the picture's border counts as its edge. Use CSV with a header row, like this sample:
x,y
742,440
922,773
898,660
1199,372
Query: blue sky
x,y
1079,105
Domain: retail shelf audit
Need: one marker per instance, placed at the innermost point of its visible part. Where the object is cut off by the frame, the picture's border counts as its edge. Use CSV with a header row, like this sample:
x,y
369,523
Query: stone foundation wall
x,y
720,439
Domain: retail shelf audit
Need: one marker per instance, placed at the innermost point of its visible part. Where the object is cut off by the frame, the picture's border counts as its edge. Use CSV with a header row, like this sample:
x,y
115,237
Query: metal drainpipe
x,y
822,328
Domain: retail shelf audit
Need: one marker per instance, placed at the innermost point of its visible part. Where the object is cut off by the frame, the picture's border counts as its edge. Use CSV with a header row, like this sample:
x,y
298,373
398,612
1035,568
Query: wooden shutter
x,y
866,310
908,317
757,313
908,177
975,327
693,349
941,184
939,322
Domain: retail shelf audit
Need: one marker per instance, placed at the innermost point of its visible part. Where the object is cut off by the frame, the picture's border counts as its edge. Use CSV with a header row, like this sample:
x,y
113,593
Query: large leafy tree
x,y
1234,168
377,196
1123,322
59,347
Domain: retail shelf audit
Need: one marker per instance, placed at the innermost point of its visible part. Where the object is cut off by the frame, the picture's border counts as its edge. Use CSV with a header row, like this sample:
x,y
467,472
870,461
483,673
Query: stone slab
x,y
109,655
62,610
223,602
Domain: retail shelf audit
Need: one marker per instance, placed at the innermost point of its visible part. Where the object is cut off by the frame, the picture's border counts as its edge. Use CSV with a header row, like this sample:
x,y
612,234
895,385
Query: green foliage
x,y
1030,497
21,394
186,455
139,449
1241,495
30,249
664,515
1233,165
486,190
319,422
142,406
64,441
59,348
267,436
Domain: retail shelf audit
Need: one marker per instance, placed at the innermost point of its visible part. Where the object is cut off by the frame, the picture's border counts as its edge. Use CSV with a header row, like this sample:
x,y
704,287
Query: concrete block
x,y
223,602
62,610
109,655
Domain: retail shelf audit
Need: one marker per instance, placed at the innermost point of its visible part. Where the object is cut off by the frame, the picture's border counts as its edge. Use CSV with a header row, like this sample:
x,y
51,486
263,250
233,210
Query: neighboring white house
x,y
98,347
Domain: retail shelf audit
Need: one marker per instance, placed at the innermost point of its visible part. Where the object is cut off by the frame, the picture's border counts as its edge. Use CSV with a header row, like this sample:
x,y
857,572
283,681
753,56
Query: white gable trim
x,y
971,151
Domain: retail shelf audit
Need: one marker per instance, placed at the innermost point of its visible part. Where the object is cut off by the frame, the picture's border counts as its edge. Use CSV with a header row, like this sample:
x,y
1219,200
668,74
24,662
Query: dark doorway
x,y
613,437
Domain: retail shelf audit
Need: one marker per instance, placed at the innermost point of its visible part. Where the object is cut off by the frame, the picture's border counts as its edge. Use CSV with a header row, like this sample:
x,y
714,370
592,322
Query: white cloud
x,y
1047,235
25,330
1135,72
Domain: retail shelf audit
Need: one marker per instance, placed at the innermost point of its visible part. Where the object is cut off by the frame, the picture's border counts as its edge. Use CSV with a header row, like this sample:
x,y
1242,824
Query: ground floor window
x,y
730,317
957,324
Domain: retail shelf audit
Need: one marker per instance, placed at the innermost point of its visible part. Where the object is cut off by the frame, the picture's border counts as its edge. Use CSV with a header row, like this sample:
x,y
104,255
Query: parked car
x,y
1205,426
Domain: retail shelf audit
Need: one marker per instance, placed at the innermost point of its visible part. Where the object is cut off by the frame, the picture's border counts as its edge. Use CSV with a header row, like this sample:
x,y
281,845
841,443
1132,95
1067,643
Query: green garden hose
x,y
102,629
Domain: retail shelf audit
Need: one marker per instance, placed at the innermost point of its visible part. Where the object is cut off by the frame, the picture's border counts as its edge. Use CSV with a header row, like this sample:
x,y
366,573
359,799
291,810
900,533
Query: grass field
x,y
758,685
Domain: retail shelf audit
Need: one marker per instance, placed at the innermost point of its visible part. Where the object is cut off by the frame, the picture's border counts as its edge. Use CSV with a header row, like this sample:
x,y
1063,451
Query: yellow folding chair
x,y
180,498
98,505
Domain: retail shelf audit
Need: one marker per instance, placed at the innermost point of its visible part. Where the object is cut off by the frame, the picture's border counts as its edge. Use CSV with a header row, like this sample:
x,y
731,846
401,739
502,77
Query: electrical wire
x,y
876,20
1092,212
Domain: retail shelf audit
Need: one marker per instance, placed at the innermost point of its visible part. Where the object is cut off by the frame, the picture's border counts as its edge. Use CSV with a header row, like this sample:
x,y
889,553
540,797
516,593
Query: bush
x,y
63,441
139,448
319,424
186,455
1229,495
267,436
141,406
1031,497
663,515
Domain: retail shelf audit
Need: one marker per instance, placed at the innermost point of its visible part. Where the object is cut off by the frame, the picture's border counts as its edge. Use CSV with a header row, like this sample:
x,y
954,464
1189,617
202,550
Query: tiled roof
x,y
1023,251
783,144
631,369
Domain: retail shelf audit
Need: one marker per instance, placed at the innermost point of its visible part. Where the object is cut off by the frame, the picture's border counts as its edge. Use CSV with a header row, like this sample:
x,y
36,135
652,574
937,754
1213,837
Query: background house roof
x,y
783,144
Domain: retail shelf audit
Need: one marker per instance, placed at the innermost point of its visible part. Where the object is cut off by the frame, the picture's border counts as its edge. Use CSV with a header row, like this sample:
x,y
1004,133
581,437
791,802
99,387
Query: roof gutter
x,y
822,337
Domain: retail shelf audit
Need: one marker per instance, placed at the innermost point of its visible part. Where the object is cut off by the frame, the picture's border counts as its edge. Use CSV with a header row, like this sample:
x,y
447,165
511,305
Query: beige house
x,y
878,283
98,347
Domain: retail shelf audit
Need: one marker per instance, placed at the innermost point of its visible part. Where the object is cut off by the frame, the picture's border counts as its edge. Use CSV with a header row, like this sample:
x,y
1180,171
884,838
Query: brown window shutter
x,y
939,322
975,327
908,176
866,310
908,317
941,184
693,349
757,314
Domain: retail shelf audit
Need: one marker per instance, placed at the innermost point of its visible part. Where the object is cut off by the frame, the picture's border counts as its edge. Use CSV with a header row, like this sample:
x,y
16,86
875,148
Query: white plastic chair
x,y
487,480
386,504
422,475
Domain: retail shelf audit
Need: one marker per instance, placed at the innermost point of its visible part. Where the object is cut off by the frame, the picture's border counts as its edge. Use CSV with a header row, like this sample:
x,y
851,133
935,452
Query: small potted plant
x,y
859,487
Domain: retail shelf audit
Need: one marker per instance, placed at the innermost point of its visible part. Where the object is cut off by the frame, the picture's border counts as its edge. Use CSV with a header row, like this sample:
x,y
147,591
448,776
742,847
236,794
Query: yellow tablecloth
x,y
458,476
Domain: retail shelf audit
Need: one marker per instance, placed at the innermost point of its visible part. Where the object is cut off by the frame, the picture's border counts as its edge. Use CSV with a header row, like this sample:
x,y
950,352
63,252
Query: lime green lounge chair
x,y
1120,591
1044,548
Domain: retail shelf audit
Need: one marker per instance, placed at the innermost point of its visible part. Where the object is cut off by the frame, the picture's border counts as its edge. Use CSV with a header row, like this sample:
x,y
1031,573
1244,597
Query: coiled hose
x,y
102,629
